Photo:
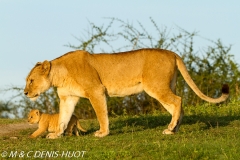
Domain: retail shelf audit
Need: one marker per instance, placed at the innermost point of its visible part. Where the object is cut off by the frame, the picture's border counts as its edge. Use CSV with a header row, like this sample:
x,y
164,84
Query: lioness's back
x,y
129,65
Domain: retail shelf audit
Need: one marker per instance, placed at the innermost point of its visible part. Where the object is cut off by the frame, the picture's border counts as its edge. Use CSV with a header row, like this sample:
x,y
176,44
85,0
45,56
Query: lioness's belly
x,y
121,91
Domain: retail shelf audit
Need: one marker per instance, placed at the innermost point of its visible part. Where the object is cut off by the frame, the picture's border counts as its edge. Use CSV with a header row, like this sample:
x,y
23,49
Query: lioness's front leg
x,y
67,105
98,101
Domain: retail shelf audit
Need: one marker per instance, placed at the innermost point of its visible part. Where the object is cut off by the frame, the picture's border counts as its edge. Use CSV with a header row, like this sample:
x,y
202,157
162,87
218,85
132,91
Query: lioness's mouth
x,y
36,95
34,98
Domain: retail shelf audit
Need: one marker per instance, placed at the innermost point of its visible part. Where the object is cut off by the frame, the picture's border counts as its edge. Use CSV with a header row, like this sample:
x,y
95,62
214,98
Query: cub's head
x,y
38,81
34,116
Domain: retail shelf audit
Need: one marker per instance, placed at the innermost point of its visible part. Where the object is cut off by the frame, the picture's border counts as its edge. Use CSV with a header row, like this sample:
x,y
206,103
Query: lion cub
x,y
49,122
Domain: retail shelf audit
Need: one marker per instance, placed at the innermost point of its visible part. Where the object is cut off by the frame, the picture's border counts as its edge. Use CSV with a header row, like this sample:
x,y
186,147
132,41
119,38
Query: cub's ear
x,y
46,66
37,112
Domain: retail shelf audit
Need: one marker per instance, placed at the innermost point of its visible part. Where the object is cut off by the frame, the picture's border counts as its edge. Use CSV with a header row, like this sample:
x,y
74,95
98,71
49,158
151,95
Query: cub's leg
x,y
38,132
98,100
67,105
75,130
172,104
69,130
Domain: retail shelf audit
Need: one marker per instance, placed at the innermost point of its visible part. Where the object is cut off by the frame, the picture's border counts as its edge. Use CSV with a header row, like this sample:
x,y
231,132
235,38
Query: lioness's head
x,y
38,81
34,116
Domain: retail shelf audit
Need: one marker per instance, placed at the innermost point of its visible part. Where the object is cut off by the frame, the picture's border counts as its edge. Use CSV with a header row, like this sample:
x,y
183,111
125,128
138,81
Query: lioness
x,y
93,76
49,122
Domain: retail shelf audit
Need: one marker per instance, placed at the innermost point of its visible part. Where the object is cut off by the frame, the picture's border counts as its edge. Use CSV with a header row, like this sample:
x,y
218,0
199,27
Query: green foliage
x,y
47,102
210,67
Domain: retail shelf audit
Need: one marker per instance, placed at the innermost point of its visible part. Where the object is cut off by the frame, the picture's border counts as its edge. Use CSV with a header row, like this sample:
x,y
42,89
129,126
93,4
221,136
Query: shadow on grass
x,y
123,125
211,121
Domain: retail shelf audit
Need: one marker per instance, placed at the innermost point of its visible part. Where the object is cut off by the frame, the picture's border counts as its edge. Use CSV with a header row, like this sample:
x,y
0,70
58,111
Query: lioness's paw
x,y
101,134
166,131
52,136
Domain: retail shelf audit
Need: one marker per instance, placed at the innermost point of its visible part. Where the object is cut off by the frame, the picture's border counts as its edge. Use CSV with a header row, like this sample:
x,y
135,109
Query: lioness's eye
x,y
31,81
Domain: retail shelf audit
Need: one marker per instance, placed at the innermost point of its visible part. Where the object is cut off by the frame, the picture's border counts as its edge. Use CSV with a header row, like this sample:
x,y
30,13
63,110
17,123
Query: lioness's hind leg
x,y
175,123
172,104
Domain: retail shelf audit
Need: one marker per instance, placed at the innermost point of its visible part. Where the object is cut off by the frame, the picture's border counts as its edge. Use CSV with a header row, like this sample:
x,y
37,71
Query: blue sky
x,y
33,31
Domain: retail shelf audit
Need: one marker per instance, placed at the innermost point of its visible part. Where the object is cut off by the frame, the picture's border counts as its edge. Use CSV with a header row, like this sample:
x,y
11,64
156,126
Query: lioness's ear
x,y
38,63
46,66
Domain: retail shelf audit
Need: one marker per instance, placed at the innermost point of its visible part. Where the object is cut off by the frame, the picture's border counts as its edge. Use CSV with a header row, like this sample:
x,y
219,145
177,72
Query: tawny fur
x,y
93,76
49,122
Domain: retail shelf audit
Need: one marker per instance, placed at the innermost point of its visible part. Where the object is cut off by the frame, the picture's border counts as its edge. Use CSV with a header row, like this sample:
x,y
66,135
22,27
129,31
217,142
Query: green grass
x,y
11,121
207,132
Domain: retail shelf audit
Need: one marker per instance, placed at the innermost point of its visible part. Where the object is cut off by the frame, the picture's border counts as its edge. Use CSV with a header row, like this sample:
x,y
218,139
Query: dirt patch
x,y
13,129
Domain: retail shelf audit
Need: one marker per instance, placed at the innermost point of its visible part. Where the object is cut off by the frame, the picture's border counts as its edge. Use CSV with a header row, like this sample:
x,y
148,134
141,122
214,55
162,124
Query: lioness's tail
x,y
182,68
80,127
